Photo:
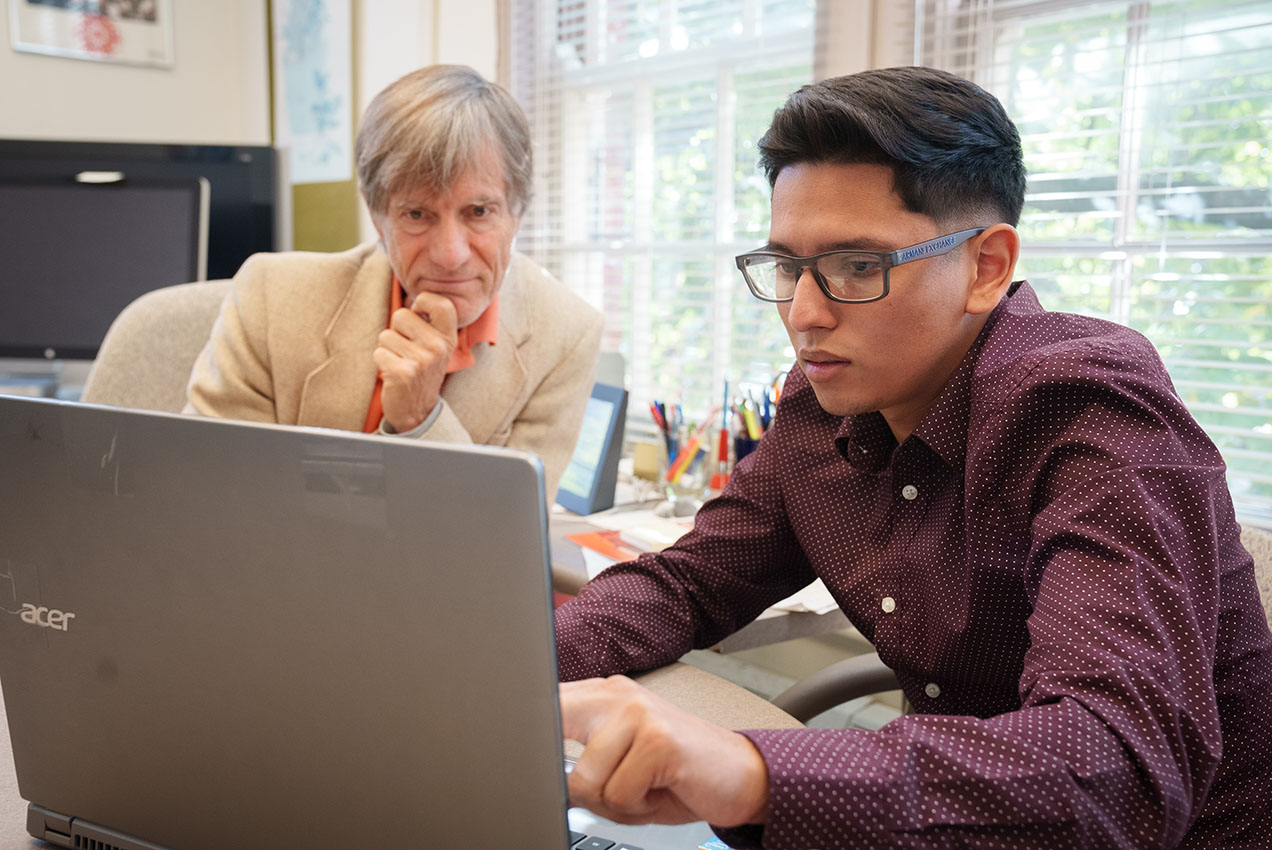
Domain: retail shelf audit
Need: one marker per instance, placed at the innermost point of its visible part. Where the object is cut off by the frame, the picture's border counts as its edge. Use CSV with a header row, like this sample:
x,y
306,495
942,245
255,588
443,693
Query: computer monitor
x,y
251,193
76,252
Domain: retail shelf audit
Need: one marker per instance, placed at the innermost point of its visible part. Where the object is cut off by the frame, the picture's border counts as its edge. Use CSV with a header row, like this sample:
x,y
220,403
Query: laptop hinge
x,y
49,826
79,833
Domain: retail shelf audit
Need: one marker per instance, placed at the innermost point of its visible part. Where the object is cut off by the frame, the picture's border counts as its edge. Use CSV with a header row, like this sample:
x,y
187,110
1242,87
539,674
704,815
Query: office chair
x,y
145,360
864,675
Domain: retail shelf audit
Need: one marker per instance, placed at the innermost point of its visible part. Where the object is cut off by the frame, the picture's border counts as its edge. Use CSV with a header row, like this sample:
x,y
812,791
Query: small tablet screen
x,y
588,483
581,472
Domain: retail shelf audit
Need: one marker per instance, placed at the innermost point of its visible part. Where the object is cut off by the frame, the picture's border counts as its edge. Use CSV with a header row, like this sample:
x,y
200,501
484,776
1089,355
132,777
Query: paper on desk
x,y
652,538
601,549
625,519
595,563
608,543
815,599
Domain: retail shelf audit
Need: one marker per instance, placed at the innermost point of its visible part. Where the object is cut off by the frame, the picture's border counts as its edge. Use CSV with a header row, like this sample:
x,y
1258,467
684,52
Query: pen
x,y
658,417
721,476
686,455
752,424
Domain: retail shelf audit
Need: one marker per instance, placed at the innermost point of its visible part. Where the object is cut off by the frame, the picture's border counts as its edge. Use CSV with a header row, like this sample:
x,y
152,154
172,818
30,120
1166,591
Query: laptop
x,y
217,635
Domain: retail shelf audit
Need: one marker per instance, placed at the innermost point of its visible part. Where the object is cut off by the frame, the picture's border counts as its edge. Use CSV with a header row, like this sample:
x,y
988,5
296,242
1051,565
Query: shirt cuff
x,y
418,430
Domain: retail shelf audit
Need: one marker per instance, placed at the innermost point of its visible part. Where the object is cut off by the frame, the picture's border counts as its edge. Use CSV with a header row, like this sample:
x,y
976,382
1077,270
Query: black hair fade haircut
x,y
954,153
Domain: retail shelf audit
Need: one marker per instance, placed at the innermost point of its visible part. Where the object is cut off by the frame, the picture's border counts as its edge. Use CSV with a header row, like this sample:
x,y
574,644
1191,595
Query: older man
x,y
438,330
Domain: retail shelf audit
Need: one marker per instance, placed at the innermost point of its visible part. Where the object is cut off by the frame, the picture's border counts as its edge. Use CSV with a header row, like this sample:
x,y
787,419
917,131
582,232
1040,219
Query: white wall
x,y
217,90
215,93
398,36
467,34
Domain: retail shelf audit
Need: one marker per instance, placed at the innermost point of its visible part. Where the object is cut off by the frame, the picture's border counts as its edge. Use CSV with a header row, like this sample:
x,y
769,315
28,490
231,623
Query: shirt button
x,y
932,689
910,492
888,605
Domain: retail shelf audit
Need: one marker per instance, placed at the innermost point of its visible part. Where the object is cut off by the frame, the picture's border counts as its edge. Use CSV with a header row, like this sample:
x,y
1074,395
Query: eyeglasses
x,y
849,277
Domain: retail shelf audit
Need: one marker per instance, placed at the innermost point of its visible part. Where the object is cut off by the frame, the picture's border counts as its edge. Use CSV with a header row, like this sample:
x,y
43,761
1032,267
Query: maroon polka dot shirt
x,y
1051,565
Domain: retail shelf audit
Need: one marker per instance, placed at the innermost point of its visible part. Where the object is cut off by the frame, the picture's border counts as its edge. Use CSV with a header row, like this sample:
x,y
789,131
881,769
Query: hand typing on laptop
x,y
647,761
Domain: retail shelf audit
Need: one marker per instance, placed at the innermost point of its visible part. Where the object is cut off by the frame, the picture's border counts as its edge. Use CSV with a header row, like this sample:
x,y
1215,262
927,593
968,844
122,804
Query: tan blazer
x,y
294,339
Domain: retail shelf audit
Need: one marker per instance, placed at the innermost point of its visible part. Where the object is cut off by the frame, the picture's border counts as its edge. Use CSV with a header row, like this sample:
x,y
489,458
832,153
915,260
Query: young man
x,y
1013,505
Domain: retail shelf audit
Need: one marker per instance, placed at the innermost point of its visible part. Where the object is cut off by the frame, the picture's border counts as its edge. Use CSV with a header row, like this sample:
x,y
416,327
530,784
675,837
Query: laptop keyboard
x,y
579,841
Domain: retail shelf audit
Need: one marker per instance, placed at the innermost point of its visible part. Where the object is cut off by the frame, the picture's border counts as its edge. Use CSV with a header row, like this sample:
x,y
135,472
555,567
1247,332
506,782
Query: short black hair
x,y
953,151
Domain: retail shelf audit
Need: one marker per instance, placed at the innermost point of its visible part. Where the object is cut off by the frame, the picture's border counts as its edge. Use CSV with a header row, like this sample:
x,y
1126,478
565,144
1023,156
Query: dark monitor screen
x,y
73,255
247,212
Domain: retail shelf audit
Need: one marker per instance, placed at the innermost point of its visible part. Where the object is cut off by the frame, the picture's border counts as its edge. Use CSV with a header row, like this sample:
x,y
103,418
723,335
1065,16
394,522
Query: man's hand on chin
x,y
412,357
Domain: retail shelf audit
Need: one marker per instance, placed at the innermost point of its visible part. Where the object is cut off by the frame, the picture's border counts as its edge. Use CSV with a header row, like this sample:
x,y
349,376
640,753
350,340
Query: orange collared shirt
x,y
484,329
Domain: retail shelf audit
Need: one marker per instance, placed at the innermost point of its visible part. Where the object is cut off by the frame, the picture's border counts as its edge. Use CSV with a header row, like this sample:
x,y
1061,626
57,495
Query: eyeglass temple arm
x,y
932,247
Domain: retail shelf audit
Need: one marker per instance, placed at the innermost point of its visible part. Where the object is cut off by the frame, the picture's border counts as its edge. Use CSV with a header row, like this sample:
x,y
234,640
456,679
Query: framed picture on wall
x,y
134,32
313,88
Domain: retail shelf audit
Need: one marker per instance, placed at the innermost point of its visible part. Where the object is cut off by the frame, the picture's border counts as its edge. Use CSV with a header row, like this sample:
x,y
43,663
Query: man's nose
x,y
448,244
810,308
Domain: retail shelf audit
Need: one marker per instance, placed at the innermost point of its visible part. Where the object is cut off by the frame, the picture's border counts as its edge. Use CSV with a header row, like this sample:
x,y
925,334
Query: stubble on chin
x,y
840,405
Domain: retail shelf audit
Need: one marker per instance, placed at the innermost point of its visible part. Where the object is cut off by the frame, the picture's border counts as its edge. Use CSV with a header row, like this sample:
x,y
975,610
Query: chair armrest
x,y
831,686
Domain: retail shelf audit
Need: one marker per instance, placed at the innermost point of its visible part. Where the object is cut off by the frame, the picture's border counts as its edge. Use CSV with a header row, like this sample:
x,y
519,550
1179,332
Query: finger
x,y
609,777
410,324
592,712
386,360
583,701
394,369
403,346
440,311
587,707
636,785
623,772
604,752
427,349
391,340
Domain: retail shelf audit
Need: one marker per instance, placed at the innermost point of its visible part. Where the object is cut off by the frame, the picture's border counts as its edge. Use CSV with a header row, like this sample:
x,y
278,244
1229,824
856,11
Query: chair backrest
x,y
1259,544
145,360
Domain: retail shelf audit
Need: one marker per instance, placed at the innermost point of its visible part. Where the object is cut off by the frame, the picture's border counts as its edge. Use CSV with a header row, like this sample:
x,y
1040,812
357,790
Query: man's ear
x,y
996,252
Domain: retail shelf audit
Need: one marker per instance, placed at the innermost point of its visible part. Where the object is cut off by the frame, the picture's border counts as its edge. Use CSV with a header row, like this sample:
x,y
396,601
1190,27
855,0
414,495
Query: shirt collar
x,y
866,441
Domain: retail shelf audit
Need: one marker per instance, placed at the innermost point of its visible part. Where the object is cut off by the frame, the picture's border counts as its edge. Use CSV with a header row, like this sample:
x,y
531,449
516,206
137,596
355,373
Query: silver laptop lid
x,y
234,635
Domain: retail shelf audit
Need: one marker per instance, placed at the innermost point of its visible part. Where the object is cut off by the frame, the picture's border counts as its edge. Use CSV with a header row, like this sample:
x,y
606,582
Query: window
x,y
1146,132
646,115
1145,128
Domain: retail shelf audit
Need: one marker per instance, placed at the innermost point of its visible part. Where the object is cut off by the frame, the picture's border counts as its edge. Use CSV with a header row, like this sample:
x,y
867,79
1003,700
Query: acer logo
x,y
45,618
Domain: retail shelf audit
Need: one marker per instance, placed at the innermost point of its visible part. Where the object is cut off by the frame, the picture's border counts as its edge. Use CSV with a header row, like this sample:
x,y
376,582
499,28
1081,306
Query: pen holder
x,y
686,489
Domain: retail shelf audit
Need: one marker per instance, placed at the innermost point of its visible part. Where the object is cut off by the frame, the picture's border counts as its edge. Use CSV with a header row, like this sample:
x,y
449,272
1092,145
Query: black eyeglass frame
x,y
888,260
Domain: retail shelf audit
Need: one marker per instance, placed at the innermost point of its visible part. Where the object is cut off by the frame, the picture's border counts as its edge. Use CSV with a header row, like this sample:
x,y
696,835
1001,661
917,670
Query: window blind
x,y
646,115
1146,133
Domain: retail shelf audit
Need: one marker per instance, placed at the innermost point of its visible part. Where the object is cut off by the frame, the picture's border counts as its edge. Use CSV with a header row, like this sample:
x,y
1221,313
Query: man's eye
x,y
859,265
415,215
787,268
481,212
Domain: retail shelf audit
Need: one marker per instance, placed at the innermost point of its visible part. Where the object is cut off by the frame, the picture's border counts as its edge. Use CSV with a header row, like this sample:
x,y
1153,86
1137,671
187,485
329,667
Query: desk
x,y
692,689
569,574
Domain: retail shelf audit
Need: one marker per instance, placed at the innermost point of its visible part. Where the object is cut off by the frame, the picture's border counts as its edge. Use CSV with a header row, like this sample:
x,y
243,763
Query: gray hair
x,y
425,128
